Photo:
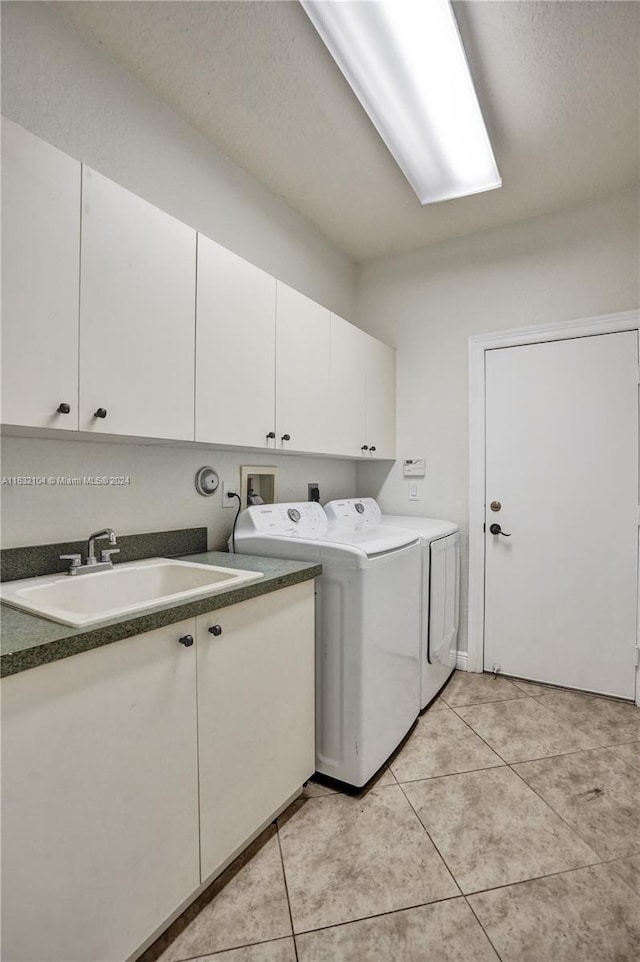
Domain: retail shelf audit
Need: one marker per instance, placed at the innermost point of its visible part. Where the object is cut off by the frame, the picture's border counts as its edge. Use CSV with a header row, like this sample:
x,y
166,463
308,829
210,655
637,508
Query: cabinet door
x,y
137,315
381,399
100,803
303,331
40,281
235,349
348,388
255,716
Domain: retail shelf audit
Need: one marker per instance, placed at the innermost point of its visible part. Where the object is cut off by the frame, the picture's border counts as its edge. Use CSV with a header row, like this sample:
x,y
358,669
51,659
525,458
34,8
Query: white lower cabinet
x,y
100,798
106,831
255,715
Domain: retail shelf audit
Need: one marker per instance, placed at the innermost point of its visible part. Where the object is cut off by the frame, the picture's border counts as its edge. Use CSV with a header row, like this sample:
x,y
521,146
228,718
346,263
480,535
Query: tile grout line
x,y
488,937
467,771
510,765
380,915
286,890
557,814
424,829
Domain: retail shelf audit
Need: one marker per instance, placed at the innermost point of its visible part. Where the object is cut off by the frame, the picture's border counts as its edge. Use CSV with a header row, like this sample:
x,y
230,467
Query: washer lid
x,y
367,511
428,528
301,530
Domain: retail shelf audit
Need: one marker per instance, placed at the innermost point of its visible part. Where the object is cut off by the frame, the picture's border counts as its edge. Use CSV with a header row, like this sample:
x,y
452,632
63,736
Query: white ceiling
x,y
558,83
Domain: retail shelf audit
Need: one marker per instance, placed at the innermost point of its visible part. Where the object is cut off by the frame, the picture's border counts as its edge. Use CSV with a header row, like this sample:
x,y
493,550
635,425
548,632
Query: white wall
x,y
571,264
161,494
65,90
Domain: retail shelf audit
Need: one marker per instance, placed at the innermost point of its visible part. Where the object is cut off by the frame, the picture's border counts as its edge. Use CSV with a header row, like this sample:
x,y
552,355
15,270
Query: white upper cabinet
x,y
303,336
40,274
236,349
381,399
137,316
107,327
348,412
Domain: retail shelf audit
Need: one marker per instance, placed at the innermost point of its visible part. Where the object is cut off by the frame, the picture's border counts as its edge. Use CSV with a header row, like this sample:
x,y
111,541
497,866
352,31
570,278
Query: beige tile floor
x,y
507,826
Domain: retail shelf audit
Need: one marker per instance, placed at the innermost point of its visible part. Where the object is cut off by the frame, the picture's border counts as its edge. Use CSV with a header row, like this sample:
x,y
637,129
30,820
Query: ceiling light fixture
x,y
405,62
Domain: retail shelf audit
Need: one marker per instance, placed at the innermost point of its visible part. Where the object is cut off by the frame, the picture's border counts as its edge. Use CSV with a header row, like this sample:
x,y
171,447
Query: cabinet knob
x,y
271,435
372,448
186,640
63,408
100,413
285,437
215,630
365,447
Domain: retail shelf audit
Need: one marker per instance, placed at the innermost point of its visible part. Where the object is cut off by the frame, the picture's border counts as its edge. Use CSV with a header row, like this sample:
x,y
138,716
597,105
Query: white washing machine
x,y
440,594
367,629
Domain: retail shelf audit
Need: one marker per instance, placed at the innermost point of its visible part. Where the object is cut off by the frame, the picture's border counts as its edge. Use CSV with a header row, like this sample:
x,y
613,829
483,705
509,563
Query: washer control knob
x,y
294,514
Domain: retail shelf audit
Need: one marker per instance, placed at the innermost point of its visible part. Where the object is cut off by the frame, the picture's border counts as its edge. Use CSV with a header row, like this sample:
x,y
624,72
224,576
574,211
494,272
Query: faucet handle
x,y
75,559
106,554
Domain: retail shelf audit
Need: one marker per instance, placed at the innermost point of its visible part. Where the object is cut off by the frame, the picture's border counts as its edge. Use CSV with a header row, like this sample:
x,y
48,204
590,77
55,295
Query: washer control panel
x,y
300,519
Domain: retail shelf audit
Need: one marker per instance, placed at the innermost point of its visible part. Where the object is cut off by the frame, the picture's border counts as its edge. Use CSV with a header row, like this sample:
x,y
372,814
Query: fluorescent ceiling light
x,y
405,62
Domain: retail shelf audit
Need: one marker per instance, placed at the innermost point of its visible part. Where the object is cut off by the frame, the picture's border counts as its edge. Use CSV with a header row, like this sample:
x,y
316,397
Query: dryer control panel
x,y
354,511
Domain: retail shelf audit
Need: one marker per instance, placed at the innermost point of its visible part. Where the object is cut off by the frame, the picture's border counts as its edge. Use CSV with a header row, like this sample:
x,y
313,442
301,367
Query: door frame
x,y
478,345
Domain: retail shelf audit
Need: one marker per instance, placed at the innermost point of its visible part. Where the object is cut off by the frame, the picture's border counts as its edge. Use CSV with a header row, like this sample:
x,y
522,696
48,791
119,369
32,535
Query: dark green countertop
x,y
28,641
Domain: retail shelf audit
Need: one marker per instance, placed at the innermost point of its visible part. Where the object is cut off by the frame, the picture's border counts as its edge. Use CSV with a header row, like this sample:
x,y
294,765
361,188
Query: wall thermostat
x,y
207,482
414,468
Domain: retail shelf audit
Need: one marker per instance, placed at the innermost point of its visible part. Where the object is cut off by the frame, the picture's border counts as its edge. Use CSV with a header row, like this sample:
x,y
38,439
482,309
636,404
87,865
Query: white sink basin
x,y
79,600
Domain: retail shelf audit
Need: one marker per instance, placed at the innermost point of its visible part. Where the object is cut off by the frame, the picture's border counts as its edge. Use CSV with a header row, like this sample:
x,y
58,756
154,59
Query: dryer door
x,y
444,600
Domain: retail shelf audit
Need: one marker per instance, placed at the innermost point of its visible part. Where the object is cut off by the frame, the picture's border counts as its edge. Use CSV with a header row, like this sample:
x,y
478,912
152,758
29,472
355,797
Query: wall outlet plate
x,y
230,487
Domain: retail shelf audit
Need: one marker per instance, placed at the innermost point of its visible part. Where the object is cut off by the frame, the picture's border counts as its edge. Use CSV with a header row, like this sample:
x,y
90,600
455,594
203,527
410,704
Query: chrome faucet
x,y
91,550
92,564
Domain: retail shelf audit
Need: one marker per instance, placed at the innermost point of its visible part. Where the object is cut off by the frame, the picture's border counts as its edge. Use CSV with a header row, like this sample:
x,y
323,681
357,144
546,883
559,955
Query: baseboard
x,y
460,658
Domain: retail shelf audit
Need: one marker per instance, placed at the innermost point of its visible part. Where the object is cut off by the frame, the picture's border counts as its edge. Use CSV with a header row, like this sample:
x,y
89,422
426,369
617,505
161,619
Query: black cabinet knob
x,y
365,447
186,640
215,630
100,413
271,435
63,408
285,437
372,448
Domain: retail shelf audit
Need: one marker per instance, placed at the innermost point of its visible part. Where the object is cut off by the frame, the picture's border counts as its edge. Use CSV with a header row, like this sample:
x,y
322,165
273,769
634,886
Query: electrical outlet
x,y
229,487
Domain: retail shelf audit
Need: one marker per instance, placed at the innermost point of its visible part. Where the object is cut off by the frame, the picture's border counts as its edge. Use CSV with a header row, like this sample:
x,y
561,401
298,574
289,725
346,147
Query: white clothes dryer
x,y
367,629
439,598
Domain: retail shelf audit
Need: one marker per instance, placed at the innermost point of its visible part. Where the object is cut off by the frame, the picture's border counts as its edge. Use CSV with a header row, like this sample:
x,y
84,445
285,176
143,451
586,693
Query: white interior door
x,y
562,460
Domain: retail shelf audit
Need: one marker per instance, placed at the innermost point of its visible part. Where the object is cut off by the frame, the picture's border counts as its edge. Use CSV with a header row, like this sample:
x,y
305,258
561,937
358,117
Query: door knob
x,y
496,529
